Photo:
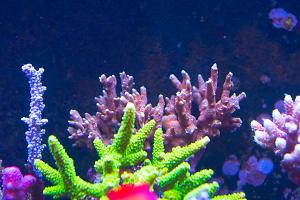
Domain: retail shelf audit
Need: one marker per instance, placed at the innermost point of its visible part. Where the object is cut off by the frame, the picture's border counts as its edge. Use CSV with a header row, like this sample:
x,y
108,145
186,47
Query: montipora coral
x,y
281,134
174,115
125,161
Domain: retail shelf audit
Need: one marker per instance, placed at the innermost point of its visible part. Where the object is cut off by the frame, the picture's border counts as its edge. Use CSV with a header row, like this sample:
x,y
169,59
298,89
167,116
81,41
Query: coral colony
x,y
166,172
148,152
281,134
173,114
131,164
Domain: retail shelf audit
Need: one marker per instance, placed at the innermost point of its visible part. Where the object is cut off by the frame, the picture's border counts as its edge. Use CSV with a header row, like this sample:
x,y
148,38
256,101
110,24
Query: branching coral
x,y
173,114
125,161
180,123
34,120
110,110
281,134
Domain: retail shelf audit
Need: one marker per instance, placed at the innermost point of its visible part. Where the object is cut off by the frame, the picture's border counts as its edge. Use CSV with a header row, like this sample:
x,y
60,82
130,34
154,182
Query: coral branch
x,y
35,121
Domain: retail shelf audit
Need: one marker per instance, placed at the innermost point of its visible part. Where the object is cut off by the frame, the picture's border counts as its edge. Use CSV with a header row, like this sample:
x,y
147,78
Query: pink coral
x,y
281,134
110,106
175,114
132,192
179,122
15,186
254,172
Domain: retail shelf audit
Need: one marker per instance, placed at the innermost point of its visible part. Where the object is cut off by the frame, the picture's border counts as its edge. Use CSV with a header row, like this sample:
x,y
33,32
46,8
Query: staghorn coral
x,y
125,161
281,134
174,114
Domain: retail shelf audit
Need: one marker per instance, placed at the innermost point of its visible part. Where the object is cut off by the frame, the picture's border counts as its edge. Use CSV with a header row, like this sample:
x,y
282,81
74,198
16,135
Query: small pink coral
x,y
281,134
254,172
15,186
132,192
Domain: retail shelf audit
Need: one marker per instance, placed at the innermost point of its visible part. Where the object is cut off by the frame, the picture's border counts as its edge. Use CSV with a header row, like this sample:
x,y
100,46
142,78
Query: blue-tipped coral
x,y
126,162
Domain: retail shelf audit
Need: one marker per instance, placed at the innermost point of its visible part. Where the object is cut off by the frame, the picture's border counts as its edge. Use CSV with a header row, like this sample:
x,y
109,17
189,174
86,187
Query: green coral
x,y
64,179
126,161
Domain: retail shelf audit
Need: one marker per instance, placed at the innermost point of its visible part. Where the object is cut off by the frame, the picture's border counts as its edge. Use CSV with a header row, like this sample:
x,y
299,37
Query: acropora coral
x,y
173,114
281,134
34,120
215,110
125,161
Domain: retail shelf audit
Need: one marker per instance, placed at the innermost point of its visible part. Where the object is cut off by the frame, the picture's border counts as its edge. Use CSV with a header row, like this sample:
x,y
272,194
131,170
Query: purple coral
x,y
173,114
231,166
282,135
35,121
15,186
254,172
282,19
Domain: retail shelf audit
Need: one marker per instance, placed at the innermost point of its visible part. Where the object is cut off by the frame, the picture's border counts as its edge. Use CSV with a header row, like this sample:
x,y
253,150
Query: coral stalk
x,y
35,121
